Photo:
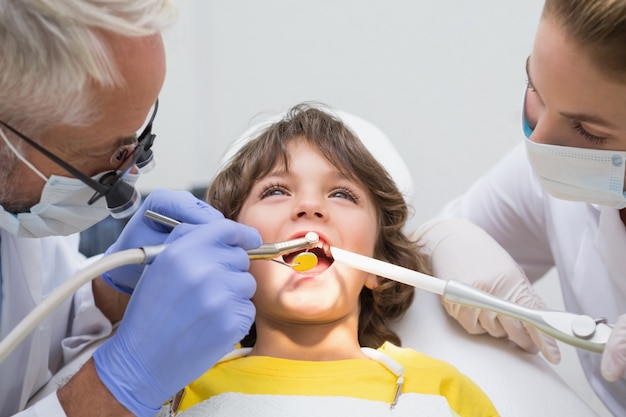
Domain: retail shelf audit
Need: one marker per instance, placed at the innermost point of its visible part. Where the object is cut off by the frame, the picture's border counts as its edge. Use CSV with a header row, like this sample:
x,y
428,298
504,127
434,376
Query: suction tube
x,y
69,287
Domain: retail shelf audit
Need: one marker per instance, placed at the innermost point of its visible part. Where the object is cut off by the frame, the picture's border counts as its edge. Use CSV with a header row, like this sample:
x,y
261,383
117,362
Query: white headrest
x,y
374,139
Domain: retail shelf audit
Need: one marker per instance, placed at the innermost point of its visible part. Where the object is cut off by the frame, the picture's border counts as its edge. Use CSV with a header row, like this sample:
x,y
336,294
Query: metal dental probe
x,y
302,262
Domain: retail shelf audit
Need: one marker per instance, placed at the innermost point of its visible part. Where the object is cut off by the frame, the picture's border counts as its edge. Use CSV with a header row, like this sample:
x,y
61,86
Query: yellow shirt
x,y
357,378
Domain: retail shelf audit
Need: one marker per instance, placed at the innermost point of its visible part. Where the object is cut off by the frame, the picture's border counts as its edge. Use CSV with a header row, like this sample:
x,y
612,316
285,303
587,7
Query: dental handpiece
x,y
577,330
144,255
272,250
265,251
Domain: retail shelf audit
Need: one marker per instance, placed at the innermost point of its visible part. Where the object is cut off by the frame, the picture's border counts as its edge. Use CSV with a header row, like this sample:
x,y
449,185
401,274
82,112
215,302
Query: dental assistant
x,y
558,198
79,96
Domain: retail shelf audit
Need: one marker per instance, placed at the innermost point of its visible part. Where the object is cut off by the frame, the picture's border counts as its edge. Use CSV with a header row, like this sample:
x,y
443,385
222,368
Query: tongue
x,y
323,263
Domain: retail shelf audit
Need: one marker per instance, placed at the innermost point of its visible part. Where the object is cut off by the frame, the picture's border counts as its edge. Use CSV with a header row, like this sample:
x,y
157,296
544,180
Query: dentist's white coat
x,y
31,269
586,243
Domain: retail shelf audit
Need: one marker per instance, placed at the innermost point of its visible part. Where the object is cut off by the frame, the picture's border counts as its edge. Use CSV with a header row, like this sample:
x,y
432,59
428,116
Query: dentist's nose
x,y
547,126
549,131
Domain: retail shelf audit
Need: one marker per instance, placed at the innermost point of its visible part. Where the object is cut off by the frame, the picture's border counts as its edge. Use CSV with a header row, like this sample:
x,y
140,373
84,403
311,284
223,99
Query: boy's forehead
x,y
374,139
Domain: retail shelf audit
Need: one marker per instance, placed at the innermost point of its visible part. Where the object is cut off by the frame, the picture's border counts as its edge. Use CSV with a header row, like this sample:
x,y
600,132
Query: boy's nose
x,y
310,207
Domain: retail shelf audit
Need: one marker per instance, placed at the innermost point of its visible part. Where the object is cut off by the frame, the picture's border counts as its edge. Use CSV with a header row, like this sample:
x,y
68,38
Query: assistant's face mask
x,y
62,209
577,174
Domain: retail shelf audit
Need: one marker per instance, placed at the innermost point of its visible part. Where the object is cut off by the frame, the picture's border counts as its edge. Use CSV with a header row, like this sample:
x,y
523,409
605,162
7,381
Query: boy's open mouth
x,y
321,251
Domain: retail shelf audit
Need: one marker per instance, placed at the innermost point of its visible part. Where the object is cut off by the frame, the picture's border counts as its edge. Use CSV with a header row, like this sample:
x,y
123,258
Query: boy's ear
x,y
371,281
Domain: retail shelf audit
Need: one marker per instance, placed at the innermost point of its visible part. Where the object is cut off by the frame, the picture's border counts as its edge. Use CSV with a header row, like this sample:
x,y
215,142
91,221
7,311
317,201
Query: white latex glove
x,y
614,356
464,252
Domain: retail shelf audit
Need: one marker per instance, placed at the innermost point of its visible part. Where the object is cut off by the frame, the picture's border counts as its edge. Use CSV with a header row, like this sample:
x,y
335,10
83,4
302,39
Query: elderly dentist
x,y
557,199
79,80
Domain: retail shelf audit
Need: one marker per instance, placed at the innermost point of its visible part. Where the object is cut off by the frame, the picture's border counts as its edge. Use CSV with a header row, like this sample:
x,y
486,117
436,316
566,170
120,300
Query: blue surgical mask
x,y
578,174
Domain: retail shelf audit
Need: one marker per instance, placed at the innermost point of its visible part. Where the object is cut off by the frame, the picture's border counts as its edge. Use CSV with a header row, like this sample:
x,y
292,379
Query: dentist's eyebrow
x,y
589,118
580,117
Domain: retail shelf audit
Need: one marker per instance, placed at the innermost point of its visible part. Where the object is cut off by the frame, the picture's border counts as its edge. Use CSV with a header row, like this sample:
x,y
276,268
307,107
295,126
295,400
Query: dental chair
x,y
519,384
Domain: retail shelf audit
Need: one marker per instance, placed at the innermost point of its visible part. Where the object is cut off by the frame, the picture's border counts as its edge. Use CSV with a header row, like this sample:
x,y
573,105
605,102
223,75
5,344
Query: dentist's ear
x,y
121,154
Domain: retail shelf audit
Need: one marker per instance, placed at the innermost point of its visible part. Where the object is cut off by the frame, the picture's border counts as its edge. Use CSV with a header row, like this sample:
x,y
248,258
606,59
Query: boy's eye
x,y
273,190
345,194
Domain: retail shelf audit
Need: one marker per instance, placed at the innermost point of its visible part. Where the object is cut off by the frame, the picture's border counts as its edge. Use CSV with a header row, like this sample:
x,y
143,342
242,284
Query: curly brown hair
x,y
343,149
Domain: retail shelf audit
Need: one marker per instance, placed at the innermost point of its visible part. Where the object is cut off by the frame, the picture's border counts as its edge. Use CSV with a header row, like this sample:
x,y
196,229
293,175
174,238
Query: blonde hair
x,y
599,27
51,50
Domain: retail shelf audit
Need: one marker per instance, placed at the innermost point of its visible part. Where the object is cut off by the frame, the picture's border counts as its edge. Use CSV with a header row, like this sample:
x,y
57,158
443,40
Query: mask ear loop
x,y
21,157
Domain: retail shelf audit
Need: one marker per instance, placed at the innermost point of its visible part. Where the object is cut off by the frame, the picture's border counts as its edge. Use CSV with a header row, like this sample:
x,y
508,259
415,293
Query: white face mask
x,y
590,175
62,210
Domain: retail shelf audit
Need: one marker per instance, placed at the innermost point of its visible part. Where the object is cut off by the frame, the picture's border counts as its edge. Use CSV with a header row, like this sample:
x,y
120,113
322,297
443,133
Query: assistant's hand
x,y
464,252
141,231
190,307
614,356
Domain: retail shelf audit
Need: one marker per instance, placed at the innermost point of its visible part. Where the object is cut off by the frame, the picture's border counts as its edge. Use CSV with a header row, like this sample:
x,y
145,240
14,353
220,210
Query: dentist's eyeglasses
x,y
122,199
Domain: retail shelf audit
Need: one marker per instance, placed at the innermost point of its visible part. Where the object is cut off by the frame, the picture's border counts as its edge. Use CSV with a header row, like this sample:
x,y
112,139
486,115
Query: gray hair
x,y
52,49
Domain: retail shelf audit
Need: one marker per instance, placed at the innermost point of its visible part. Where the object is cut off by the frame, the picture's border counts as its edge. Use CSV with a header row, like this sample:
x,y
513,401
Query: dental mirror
x,y
302,262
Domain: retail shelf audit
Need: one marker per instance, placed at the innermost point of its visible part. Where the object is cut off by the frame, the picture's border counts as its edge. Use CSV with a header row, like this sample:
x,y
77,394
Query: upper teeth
x,y
325,247
314,237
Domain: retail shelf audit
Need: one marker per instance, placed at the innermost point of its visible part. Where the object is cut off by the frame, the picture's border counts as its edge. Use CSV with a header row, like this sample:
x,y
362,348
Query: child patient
x,y
321,343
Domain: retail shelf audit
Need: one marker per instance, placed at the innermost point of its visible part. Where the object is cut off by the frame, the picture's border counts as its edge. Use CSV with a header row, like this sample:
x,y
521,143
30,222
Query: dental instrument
x,y
144,255
69,287
581,331
302,262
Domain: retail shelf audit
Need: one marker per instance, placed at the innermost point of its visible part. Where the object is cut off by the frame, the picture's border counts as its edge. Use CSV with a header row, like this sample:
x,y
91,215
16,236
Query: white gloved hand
x,y
614,356
464,252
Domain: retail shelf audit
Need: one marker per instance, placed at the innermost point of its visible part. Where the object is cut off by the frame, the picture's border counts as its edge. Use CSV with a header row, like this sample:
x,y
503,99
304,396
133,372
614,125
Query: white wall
x,y
443,78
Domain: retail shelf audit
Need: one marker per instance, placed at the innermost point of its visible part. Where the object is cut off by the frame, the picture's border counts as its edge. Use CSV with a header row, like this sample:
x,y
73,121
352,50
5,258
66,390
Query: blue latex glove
x,y
141,231
190,307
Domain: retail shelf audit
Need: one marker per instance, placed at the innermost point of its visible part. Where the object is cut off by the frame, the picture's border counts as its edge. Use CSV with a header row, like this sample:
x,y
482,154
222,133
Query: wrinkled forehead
x,y
374,139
